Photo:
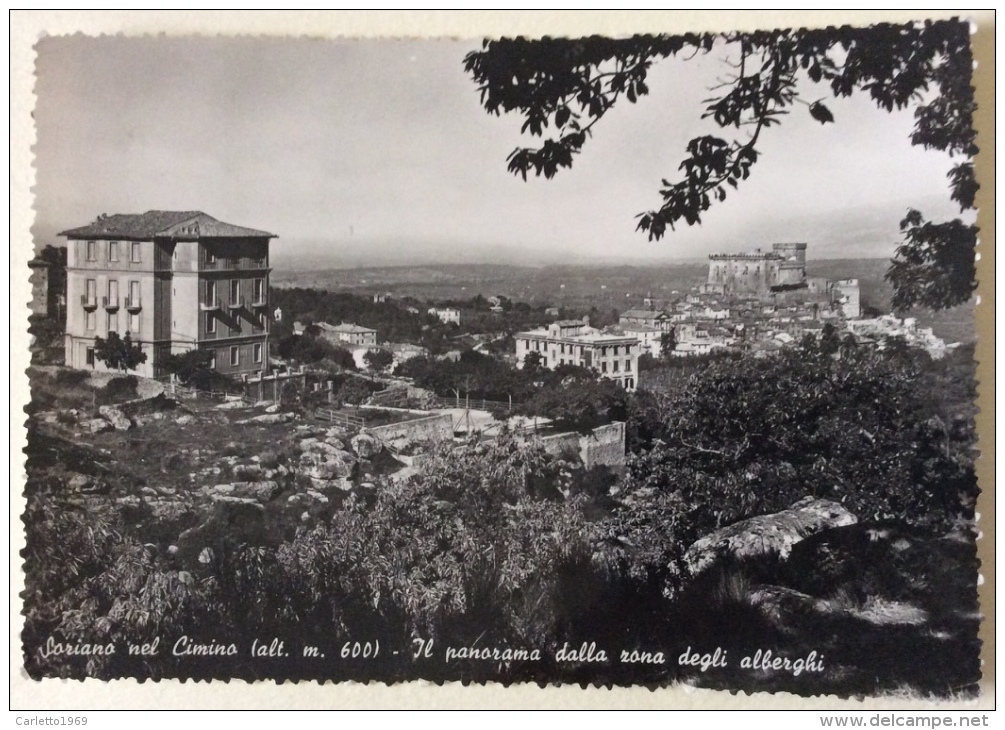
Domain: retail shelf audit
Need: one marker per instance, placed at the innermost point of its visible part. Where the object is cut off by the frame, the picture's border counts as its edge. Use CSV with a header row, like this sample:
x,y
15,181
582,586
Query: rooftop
x,y
187,225
642,314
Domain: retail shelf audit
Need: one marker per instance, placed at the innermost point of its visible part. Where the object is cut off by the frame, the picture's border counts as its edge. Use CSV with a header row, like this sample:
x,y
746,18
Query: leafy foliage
x,y
378,360
935,264
751,436
576,399
119,352
311,349
569,85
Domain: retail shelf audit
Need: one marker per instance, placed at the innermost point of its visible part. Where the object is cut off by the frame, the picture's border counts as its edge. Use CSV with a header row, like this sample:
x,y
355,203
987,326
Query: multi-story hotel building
x,y
174,281
574,342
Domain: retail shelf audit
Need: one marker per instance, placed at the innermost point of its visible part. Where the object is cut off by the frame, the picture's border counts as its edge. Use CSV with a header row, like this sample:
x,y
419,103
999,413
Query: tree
x,y
533,362
578,404
378,360
568,85
668,343
119,352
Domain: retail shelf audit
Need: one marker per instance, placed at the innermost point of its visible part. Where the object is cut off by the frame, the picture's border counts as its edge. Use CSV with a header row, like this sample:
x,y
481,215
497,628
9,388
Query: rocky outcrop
x,y
238,518
766,535
115,417
323,461
365,445
96,425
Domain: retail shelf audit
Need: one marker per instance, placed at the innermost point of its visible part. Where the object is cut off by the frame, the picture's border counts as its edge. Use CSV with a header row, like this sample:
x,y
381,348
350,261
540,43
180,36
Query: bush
x,y
70,377
118,389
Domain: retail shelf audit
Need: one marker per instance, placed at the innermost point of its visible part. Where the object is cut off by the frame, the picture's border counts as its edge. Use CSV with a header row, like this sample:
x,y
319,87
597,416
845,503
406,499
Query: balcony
x,y
237,303
89,303
259,302
210,304
133,304
110,303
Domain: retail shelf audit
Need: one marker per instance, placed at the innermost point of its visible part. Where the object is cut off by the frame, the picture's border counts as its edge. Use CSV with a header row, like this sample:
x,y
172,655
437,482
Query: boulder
x,y
766,536
115,417
274,408
320,485
262,491
323,461
365,445
184,420
247,472
238,518
97,425
80,482
306,444
326,470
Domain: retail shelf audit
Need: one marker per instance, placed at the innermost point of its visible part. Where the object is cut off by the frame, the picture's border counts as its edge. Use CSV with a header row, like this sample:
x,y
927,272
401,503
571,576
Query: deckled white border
x,y
28,26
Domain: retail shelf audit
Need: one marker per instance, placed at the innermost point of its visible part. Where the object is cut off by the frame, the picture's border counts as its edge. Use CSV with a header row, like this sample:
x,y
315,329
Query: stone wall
x,y
604,446
437,427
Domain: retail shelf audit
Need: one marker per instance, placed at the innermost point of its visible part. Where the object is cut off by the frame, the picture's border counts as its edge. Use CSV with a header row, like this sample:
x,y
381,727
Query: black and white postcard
x,y
640,359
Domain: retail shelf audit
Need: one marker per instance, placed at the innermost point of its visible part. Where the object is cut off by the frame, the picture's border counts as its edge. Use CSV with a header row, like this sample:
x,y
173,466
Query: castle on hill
x,y
759,272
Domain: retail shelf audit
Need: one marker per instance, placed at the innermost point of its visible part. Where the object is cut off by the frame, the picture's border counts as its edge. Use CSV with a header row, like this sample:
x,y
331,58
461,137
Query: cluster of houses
x,y
758,301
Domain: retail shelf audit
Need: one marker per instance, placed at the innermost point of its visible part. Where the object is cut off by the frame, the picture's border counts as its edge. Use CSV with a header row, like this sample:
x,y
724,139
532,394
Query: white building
x,y
446,315
650,338
574,342
849,298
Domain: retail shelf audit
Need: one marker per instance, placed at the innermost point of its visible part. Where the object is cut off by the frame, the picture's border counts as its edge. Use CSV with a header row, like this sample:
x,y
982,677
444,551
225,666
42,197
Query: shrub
x,y
118,389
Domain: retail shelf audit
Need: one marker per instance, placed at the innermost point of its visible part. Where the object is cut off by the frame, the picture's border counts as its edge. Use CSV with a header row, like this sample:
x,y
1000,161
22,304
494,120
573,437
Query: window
x,y
113,291
628,366
134,323
212,360
235,291
113,250
211,293
235,355
603,367
208,256
91,320
210,323
134,252
92,291
89,356
134,294
235,262
256,351
113,321
615,366
259,290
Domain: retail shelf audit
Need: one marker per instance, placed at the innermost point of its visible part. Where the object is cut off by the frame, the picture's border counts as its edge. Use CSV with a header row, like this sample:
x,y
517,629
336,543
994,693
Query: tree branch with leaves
x,y
564,87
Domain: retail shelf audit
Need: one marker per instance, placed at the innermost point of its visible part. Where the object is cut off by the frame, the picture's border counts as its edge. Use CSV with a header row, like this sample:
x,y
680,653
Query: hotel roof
x,y
186,225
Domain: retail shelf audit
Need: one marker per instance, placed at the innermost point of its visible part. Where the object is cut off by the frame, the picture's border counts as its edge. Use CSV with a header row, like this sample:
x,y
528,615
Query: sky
x,y
378,152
